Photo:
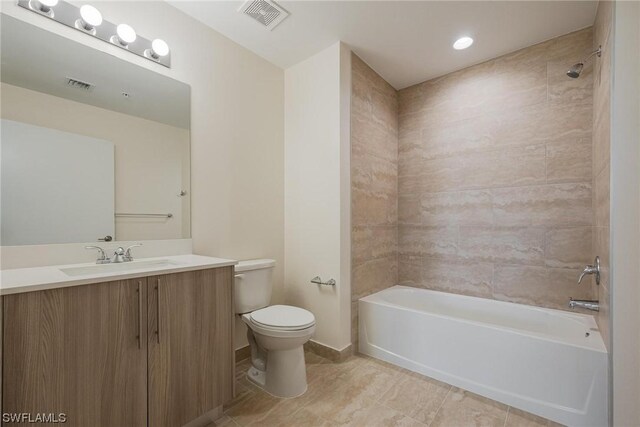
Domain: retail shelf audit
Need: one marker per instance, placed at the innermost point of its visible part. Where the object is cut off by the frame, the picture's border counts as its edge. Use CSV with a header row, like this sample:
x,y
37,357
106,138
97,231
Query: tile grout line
x,y
506,417
441,405
546,166
307,403
336,380
403,414
377,401
499,187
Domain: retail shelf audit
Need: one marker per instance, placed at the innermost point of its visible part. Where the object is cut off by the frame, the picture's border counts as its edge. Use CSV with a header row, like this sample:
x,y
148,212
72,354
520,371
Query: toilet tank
x,y
253,284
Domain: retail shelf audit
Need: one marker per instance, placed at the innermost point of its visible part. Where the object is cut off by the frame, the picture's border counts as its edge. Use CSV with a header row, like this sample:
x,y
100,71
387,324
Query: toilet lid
x,y
283,317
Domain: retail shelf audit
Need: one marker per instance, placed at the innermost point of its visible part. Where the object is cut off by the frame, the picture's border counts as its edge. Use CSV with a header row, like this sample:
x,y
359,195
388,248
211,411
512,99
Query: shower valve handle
x,y
591,269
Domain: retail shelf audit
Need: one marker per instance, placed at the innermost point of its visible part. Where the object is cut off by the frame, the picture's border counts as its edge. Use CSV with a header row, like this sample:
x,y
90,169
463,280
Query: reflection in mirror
x,y
92,147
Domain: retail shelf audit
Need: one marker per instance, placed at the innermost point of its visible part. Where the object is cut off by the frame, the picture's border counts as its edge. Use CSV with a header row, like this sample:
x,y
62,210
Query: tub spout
x,y
592,305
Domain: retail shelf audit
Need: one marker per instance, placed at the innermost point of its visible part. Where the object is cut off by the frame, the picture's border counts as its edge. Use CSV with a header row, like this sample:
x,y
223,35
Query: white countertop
x,y
51,277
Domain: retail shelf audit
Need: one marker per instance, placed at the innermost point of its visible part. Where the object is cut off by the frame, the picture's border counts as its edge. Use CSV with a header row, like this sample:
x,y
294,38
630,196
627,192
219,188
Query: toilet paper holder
x,y
318,281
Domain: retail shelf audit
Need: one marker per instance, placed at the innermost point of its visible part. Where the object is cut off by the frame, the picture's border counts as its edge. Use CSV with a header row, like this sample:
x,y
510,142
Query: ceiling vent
x,y
266,12
79,84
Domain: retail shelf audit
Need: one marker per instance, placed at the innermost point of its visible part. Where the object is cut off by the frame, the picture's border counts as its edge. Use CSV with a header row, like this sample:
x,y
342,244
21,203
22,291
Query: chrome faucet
x,y
120,255
591,269
593,305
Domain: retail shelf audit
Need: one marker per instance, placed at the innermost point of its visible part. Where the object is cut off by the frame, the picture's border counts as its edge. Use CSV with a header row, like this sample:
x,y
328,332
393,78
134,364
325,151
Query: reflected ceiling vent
x,y
79,84
266,12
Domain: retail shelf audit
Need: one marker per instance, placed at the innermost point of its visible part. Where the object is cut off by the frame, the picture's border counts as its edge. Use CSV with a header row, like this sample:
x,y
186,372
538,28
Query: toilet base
x,y
256,376
285,376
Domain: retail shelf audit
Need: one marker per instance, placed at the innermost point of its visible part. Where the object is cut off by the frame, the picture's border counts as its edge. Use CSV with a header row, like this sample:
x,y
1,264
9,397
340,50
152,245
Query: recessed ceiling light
x,y
463,43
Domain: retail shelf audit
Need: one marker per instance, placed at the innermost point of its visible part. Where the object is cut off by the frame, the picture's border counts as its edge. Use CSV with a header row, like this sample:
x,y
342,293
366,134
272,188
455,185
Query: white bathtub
x,y
551,363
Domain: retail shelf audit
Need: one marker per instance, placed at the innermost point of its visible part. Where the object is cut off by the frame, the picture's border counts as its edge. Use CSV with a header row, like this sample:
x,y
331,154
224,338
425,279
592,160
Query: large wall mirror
x,y
92,147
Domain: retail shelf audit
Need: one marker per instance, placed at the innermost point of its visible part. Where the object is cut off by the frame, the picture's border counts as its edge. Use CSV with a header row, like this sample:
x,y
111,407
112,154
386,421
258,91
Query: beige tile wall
x,y
374,185
495,181
601,145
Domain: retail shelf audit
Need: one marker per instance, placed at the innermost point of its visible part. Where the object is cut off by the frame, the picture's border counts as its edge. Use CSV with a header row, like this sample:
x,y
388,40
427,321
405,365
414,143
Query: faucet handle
x,y
127,253
102,257
584,273
592,269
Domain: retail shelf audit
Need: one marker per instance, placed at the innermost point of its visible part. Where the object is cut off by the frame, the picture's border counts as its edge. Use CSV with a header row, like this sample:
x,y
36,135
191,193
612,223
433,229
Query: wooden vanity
x,y
144,351
114,340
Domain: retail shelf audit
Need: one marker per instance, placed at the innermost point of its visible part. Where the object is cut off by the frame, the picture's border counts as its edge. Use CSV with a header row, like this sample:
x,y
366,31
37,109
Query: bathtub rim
x,y
601,348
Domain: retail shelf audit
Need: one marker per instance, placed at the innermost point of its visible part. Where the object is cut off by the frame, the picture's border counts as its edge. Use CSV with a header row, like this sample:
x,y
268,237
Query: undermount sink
x,y
116,267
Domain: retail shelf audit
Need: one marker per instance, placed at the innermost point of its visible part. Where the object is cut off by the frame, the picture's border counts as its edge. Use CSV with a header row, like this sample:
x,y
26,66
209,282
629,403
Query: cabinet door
x,y
190,345
80,351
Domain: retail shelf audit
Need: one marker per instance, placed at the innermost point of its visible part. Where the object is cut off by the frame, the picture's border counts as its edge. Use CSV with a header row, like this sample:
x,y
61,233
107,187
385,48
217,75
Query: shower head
x,y
575,70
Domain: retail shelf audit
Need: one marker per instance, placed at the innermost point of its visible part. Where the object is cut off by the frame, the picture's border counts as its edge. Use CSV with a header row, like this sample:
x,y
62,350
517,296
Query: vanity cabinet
x,y
76,351
153,351
190,345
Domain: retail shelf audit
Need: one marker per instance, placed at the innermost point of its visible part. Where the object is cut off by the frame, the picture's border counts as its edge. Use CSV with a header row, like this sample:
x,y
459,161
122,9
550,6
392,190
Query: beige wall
x,y
495,177
315,194
374,185
601,157
237,128
149,158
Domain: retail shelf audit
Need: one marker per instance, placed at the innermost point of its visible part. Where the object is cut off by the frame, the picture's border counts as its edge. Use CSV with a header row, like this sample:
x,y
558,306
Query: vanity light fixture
x,y
43,6
125,35
463,43
89,20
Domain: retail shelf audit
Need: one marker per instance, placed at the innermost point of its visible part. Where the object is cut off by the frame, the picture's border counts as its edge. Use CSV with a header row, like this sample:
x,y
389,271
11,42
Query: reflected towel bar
x,y
145,215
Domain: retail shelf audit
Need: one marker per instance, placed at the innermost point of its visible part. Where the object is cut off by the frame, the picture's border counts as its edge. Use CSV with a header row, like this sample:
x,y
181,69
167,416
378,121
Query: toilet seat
x,y
283,318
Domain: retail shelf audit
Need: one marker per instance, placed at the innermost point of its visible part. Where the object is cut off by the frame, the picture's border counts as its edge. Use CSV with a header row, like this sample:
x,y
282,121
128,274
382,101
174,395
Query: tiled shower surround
x,y
374,185
601,160
494,182
494,178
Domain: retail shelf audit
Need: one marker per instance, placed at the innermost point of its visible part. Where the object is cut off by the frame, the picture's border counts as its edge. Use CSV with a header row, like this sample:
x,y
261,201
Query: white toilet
x,y
276,333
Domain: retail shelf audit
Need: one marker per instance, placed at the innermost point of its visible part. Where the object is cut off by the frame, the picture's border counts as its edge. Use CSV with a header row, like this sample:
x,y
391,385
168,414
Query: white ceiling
x,y
406,42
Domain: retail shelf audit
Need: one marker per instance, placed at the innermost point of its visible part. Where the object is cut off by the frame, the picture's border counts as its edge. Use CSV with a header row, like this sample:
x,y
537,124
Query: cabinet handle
x,y
158,310
139,314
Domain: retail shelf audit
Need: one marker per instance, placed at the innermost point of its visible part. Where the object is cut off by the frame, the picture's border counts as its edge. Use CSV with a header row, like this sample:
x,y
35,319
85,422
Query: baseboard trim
x,y
206,419
312,346
327,352
243,353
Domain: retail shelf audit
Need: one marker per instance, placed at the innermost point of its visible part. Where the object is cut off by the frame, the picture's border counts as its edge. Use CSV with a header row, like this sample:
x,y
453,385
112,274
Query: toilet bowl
x,y
280,331
276,333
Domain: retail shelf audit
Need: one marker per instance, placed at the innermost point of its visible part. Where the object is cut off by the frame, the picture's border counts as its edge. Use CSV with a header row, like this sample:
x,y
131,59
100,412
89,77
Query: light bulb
x,y
159,48
91,16
126,34
463,43
43,6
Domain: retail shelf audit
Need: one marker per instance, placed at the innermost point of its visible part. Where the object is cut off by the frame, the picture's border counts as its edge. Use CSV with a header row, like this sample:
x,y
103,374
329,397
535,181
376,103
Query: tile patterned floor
x,y
367,392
